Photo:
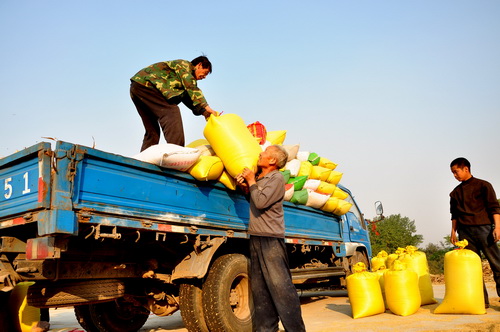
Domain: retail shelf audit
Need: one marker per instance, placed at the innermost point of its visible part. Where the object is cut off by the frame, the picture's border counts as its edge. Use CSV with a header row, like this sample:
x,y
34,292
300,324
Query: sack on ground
x,y
365,294
463,279
401,290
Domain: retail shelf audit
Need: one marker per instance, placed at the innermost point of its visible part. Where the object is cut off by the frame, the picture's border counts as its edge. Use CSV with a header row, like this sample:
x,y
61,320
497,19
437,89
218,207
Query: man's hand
x,y
209,111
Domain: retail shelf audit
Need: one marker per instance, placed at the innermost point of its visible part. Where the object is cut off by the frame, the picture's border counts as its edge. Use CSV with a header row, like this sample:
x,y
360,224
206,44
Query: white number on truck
x,y
9,189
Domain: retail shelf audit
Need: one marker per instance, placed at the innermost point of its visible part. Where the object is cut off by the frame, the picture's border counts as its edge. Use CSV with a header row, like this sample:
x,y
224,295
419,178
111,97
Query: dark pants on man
x,y
274,295
480,239
157,112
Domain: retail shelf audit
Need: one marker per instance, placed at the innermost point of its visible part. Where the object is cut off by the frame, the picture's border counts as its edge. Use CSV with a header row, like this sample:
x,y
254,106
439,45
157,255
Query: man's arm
x,y
496,231
453,236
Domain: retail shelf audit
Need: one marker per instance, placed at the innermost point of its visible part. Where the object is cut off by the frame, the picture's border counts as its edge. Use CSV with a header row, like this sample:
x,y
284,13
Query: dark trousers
x,y
480,239
274,295
156,112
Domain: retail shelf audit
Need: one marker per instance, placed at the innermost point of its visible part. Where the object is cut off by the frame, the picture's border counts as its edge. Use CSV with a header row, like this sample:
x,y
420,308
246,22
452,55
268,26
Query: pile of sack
x,y
401,283
230,145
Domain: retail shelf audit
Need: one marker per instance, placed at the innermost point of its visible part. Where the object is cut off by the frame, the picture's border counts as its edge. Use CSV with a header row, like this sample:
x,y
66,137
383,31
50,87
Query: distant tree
x,y
392,233
435,255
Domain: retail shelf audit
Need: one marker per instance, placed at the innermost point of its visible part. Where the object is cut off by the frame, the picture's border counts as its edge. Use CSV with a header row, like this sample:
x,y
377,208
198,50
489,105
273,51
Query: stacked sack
x,y
404,279
230,146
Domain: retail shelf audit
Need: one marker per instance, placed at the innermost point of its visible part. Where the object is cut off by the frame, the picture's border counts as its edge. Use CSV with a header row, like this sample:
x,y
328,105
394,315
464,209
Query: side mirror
x,y
379,209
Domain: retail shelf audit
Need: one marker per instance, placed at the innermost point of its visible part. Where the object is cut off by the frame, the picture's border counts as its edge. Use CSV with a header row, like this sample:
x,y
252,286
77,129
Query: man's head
x,y
202,67
460,168
274,156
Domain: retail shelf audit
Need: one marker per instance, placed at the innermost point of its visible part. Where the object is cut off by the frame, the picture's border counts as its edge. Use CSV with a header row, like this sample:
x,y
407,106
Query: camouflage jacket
x,y
175,80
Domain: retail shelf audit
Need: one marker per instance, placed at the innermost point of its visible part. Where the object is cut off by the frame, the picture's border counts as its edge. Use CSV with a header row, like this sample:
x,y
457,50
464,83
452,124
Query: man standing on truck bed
x,y
475,215
274,295
157,90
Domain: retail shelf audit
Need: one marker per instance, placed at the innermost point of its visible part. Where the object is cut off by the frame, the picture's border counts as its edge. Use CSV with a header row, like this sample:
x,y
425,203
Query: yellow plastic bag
x,y
365,294
27,316
232,142
326,188
207,168
463,279
324,162
379,261
381,280
342,208
330,205
334,177
276,137
320,173
401,290
305,168
339,193
227,180
417,261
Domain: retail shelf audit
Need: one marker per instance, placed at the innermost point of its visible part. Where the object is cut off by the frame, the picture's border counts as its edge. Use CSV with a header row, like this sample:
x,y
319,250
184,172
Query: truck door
x,y
355,223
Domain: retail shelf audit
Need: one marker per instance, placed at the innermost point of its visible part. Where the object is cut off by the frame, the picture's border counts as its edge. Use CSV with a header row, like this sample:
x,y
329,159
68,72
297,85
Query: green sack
x,y
286,175
300,197
298,182
313,158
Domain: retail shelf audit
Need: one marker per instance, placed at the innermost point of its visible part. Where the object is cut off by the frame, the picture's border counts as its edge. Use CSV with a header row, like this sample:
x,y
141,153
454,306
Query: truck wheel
x,y
227,303
118,316
191,306
82,314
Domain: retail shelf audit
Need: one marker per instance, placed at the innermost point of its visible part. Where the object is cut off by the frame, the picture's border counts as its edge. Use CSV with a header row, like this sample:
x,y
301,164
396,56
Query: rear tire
x,y
191,305
83,317
118,315
227,298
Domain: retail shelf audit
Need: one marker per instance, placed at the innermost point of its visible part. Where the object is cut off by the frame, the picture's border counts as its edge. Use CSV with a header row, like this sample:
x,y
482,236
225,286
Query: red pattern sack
x,y
258,130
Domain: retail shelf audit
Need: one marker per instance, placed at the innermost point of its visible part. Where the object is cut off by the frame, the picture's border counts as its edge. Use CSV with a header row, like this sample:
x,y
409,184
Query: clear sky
x,y
390,90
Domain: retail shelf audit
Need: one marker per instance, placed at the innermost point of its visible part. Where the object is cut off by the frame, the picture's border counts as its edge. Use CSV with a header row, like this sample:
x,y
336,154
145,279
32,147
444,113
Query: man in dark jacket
x,y
475,215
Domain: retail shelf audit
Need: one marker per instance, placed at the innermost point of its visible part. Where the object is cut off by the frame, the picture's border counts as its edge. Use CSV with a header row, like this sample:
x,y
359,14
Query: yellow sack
x,y
326,188
378,261
232,142
207,168
417,261
463,279
381,280
324,162
305,168
23,315
342,208
365,294
390,260
276,137
320,173
339,193
334,177
401,290
227,180
330,205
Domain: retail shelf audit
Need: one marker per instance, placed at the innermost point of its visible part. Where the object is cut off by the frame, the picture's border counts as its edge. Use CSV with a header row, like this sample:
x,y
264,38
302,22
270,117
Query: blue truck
x,y
118,239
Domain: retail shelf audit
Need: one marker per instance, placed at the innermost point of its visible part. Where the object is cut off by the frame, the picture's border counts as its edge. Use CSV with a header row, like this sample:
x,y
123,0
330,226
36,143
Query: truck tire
x,y
191,305
118,315
82,314
227,303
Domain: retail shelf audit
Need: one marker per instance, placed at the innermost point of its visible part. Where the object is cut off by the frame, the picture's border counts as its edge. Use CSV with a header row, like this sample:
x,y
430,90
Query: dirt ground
x,y
332,312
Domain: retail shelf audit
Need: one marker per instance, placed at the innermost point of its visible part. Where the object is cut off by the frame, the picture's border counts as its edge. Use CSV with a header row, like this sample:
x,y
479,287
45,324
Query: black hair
x,y
460,163
205,63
